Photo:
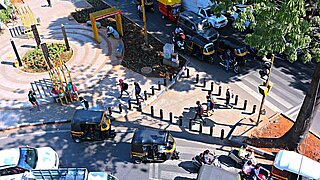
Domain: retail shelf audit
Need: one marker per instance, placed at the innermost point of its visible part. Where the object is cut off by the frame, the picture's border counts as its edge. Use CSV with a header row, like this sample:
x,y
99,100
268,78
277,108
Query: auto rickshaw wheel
x,y
77,140
236,69
137,160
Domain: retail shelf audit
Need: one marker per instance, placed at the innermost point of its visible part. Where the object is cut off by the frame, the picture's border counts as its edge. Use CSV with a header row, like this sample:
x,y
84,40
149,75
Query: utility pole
x,y
144,22
264,89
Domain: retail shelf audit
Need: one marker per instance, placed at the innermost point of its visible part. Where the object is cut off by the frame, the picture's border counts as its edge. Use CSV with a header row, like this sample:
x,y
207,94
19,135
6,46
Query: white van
x,y
289,164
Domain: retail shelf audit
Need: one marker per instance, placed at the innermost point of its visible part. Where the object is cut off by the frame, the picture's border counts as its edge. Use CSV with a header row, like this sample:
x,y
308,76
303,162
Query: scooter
x,y
197,162
232,65
179,40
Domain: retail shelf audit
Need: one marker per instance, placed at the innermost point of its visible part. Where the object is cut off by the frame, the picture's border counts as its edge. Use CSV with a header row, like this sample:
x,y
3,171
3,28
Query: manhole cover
x,y
146,70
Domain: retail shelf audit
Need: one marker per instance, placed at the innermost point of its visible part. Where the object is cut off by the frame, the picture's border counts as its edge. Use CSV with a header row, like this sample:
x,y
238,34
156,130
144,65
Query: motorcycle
x,y
232,64
179,40
198,160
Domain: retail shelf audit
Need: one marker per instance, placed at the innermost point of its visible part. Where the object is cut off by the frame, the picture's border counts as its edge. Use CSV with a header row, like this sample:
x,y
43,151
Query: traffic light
x,y
264,90
264,72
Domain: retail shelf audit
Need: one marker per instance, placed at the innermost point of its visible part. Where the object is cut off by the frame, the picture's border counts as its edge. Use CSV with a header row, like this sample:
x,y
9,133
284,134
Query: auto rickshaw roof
x,y
200,40
87,116
170,2
232,42
146,136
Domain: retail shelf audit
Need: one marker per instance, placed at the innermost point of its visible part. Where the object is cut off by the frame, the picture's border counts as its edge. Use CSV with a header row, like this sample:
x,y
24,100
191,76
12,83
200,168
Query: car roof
x,y
88,116
147,136
9,157
191,16
213,172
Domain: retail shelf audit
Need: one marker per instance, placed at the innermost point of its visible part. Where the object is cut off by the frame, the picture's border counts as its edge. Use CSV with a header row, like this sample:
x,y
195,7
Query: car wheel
x,y
236,69
137,160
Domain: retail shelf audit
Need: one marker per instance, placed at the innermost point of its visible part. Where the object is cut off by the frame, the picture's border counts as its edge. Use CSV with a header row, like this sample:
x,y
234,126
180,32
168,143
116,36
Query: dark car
x,y
193,24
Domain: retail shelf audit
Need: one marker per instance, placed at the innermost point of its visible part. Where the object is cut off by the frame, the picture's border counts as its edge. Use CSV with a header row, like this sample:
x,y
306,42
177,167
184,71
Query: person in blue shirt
x,y
229,58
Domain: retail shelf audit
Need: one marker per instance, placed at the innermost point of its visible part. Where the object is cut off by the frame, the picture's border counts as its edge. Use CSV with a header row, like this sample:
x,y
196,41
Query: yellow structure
x,y
27,19
104,14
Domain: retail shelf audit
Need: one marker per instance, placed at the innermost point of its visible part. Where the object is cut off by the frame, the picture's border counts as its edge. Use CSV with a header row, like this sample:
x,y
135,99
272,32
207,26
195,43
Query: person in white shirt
x,y
247,168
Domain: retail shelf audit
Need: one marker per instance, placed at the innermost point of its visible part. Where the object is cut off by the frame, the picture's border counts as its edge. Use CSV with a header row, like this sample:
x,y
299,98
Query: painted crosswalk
x,y
284,96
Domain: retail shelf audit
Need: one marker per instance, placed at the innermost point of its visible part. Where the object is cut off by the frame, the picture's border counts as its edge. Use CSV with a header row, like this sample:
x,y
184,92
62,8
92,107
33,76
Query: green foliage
x,y
33,60
5,14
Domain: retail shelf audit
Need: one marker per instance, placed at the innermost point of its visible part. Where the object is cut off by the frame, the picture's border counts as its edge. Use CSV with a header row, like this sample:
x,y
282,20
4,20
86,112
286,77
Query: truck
x,y
203,9
61,174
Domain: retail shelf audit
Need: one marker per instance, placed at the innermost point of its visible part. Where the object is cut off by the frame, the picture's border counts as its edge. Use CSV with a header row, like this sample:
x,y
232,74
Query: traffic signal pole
x,y
264,95
144,22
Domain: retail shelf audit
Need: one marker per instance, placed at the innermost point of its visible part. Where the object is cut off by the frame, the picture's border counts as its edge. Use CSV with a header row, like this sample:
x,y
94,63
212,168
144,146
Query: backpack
x,y
124,86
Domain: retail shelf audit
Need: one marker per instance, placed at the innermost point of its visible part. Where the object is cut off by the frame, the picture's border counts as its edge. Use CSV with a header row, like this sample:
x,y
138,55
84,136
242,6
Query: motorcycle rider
x,y
179,37
229,58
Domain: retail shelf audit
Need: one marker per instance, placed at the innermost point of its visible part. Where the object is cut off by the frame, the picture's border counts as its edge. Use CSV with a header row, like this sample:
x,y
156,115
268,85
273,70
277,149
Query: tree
x,y
286,27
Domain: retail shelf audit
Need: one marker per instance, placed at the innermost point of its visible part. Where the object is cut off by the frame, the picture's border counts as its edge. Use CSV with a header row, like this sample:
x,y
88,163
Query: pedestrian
x,y
33,100
137,89
123,87
210,106
84,103
199,112
229,58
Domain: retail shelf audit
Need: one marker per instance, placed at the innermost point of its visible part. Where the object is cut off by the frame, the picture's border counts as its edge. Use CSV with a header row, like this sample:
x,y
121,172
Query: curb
x,y
35,124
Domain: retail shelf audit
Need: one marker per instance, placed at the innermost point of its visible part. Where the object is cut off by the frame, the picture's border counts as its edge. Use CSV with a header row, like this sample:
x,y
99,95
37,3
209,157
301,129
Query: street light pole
x,y
264,95
144,22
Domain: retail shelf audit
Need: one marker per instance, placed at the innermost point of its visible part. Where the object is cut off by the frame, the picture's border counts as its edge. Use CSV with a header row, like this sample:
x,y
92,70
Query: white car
x,y
216,22
235,13
19,160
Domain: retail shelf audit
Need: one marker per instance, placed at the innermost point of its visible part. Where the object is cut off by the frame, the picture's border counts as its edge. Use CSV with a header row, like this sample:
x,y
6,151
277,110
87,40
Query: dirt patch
x,y
277,127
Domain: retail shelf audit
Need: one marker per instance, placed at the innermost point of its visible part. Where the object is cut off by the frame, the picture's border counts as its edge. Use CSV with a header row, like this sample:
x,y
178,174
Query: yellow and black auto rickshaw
x,y
200,48
90,125
153,145
236,47
148,4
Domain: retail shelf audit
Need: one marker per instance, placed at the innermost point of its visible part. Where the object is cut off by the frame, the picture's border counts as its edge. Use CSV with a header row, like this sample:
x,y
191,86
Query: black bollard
x,y
197,78
204,82
219,92
152,90
211,131
161,114
171,77
188,73
236,100
140,108
152,111
211,86
180,120
200,128
209,93
145,95
254,109
190,124
120,108
165,82
110,112
159,85
222,134
170,117
245,104
129,104
16,52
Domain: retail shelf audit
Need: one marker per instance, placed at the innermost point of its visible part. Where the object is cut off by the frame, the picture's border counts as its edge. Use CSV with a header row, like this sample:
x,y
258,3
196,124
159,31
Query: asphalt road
x,y
291,80
111,155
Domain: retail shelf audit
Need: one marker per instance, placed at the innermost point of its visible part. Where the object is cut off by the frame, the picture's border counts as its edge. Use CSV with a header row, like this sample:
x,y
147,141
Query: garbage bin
x,y
119,51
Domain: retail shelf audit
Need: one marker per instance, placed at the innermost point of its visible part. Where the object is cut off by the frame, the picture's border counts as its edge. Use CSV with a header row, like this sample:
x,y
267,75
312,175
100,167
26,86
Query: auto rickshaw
x,y
153,145
90,125
148,4
236,47
170,9
200,47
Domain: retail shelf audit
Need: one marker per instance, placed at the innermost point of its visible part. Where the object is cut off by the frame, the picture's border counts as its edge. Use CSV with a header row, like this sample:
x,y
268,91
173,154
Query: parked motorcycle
x,y
198,160
232,64
179,40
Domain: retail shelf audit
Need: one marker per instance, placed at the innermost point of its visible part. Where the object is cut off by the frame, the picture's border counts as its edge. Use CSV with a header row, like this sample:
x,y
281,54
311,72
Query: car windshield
x,y
203,25
209,13
28,158
241,50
